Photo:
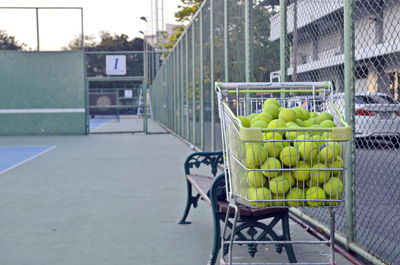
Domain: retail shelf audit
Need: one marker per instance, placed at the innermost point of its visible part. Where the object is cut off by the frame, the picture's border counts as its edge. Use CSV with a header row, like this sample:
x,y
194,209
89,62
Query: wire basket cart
x,y
283,146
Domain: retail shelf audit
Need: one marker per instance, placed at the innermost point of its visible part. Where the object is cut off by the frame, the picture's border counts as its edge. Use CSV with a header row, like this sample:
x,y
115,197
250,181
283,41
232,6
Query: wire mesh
x,y
314,52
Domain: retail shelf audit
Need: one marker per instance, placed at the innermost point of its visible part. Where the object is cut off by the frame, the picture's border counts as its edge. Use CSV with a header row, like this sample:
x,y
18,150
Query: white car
x,y
377,115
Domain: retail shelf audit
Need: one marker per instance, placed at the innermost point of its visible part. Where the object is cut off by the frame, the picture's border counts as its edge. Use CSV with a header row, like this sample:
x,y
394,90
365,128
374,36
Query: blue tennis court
x,y
13,156
97,123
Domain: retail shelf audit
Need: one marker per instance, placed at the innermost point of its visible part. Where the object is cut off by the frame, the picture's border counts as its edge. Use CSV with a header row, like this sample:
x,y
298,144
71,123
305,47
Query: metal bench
x,y
211,189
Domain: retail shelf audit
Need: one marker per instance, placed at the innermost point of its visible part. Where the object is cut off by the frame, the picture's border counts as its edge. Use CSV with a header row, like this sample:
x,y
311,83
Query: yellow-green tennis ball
x,y
292,124
274,149
302,175
287,115
298,111
319,137
306,114
289,156
333,187
327,124
324,116
315,193
292,135
271,163
263,117
251,116
308,151
333,203
259,194
300,122
245,121
289,176
326,153
310,122
337,148
256,179
278,200
259,124
319,176
313,114
272,101
296,194
279,185
272,136
277,123
338,163
272,109
317,129
301,138
256,154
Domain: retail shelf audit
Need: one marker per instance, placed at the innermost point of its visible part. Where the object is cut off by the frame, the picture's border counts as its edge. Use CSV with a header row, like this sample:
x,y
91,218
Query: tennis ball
x,y
327,124
313,114
300,122
259,194
333,187
319,176
326,153
301,138
255,155
274,149
315,193
273,101
263,117
277,123
337,148
289,156
296,194
309,122
256,179
279,185
292,135
289,176
245,121
292,124
319,137
308,151
251,116
306,114
272,109
324,116
277,200
259,124
338,163
271,163
287,115
299,112
272,136
302,175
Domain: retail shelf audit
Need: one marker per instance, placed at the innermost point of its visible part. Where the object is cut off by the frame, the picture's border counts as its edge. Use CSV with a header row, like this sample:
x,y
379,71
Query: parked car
x,y
377,116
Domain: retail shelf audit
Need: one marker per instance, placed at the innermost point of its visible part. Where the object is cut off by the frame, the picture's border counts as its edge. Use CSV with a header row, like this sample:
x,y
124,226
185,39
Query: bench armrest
x,y
212,159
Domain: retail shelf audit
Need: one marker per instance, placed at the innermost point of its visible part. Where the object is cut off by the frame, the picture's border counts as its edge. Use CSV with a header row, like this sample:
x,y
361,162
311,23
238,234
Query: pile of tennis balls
x,y
289,162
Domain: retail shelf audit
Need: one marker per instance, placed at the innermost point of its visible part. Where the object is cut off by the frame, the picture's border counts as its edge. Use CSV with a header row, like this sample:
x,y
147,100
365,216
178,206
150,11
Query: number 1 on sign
x,y
116,63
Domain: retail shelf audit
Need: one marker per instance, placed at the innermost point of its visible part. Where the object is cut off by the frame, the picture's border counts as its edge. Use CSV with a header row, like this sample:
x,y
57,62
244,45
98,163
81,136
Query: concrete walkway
x,y
108,199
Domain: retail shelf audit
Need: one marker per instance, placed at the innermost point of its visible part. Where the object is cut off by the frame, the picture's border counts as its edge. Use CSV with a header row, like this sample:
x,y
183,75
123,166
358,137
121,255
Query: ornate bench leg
x,y
189,201
286,236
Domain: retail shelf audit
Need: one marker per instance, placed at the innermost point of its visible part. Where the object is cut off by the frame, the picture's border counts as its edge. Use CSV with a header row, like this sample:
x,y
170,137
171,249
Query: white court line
x,y
15,111
27,160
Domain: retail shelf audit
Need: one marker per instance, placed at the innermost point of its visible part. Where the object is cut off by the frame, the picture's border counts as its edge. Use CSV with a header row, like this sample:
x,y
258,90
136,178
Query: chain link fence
x,y
216,47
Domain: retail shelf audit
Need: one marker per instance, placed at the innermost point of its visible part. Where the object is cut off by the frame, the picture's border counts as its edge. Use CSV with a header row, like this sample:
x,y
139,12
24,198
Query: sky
x,y
58,27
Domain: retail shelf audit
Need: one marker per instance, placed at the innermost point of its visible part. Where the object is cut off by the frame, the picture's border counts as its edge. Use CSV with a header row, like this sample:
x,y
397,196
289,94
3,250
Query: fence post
x,y
212,74
226,62
349,116
283,40
187,85
247,39
201,85
193,85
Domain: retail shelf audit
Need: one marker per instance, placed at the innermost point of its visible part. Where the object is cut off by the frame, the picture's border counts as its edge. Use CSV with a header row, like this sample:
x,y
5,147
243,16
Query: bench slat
x,y
202,184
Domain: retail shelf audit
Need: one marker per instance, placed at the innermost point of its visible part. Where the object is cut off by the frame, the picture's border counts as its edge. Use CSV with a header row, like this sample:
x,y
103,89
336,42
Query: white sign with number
x,y
116,64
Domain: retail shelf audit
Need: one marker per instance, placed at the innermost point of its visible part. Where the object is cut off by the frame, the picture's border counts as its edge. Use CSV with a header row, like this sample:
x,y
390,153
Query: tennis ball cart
x,y
284,146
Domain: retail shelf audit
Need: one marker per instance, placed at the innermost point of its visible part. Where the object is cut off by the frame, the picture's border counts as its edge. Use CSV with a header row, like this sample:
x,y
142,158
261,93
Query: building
x,y
320,44
169,29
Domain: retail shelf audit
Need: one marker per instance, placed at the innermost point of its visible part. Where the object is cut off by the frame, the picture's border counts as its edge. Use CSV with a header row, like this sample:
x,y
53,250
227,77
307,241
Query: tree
x,y
8,42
